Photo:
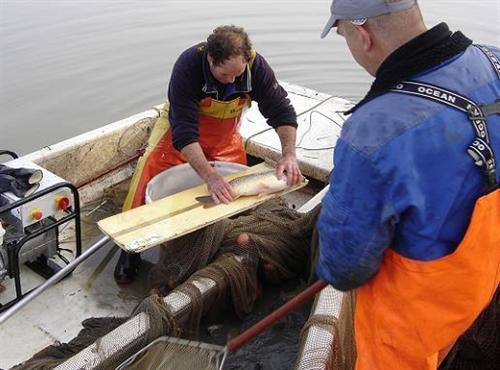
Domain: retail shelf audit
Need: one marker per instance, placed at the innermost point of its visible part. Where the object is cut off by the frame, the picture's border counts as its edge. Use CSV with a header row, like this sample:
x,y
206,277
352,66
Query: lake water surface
x,y
67,67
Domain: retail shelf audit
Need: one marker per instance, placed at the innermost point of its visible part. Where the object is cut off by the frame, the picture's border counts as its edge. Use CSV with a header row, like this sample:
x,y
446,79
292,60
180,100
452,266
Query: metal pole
x,y
54,279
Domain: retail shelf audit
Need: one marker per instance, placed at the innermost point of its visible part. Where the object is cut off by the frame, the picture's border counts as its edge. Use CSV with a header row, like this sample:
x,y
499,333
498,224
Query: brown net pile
x,y
269,243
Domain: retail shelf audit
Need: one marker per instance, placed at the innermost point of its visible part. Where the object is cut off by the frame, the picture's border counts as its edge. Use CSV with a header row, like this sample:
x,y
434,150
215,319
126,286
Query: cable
x,y
312,110
310,127
64,259
315,106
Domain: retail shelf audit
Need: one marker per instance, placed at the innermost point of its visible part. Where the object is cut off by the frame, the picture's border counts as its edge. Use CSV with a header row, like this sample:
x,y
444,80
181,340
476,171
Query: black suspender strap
x,y
480,149
491,56
447,97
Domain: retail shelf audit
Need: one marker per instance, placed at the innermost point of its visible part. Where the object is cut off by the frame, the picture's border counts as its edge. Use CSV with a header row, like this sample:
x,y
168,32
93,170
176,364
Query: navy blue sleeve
x,y
271,96
184,95
355,224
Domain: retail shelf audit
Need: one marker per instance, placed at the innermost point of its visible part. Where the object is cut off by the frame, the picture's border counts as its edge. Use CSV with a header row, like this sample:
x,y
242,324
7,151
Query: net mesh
x,y
327,338
268,243
172,354
277,241
479,347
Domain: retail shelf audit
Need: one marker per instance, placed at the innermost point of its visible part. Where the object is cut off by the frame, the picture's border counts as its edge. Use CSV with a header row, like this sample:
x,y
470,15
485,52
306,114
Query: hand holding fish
x,y
259,183
220,190
288,167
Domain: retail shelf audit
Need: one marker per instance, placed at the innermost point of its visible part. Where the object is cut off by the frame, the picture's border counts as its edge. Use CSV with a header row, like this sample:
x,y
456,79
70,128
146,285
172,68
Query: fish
x,y
260,184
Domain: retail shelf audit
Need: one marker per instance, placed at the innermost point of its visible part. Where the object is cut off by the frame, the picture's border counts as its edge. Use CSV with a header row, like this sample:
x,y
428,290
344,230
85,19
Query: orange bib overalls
x,y
219,138
411,313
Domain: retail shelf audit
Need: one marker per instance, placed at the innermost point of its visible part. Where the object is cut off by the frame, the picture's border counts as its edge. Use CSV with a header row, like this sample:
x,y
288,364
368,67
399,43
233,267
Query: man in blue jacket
x,y
410,165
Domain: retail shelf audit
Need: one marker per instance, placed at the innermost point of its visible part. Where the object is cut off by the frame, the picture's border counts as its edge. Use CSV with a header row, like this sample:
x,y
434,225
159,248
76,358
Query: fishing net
x,y
53,355
269,243
174,354
345,356
479,347
327,338
272,242
102,338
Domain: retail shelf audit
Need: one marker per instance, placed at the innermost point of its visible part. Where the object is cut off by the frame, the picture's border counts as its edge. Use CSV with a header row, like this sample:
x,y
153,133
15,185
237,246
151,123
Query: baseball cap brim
x,y
329,25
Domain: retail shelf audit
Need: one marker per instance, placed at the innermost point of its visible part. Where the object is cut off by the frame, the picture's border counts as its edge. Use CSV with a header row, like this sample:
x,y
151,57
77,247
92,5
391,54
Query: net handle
x,y
301,298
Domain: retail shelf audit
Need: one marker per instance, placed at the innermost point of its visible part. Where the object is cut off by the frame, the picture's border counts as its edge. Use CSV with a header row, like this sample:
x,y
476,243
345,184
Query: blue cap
x,y
361,9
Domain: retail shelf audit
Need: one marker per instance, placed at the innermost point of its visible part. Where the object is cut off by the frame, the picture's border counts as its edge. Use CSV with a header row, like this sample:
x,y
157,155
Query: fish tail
x,y
206,200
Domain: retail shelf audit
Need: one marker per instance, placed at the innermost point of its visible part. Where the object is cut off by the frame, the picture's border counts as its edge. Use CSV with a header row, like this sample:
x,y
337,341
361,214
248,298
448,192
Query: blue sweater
x,y
402,178
191,81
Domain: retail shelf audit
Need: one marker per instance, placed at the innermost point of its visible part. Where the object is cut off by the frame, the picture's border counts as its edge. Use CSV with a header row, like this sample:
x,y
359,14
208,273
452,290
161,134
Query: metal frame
x,y
222,351
14,249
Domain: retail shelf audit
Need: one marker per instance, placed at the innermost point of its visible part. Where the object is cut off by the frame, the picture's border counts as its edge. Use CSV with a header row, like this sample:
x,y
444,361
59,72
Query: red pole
x,y
301,298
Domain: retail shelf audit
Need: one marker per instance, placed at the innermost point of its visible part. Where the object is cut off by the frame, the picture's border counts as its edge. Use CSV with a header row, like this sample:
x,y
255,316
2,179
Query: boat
x,y
99,165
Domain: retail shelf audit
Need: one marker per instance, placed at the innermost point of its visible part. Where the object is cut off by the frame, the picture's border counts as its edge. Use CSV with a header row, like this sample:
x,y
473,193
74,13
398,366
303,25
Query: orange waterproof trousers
x,y
411,313
219,139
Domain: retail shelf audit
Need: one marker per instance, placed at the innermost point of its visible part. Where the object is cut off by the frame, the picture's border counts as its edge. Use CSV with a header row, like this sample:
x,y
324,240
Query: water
x,y
67,67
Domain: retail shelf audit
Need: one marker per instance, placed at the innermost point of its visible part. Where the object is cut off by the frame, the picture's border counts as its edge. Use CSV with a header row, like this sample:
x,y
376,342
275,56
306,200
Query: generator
x,y
31,226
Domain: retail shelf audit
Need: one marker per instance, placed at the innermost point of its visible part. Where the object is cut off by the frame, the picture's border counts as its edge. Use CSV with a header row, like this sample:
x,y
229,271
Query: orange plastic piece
x,y
36,214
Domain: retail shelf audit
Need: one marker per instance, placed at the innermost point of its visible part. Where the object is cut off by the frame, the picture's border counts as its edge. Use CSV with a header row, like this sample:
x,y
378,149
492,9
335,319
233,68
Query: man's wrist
x,y
207,172
288,152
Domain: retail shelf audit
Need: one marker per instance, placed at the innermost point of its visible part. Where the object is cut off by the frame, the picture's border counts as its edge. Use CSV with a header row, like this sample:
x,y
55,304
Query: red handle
x,y
301,298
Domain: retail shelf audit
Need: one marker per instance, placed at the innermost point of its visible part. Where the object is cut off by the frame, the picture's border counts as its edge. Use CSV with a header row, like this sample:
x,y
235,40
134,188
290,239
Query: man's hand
x,y
219,188
288,166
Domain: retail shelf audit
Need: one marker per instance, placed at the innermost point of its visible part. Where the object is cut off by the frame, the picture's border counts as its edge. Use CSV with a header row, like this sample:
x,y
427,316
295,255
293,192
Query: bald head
x,y
396,29
372,42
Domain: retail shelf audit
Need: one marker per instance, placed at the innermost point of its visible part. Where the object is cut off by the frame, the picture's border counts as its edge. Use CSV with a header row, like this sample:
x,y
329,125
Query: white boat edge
x,y
78,159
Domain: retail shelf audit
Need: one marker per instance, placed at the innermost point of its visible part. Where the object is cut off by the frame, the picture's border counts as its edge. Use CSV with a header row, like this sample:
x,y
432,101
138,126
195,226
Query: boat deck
x,y
90,291
96,162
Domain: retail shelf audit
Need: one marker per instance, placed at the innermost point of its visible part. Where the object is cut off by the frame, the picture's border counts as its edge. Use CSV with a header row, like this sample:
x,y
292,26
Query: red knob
x,y
62,202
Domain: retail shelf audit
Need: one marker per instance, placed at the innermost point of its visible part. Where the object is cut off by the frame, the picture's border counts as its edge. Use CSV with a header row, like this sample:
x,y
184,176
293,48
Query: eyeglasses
x,y
359,22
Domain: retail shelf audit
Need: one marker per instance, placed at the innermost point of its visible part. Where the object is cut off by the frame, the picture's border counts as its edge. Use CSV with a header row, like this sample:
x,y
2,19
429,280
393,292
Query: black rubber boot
x,y
127,267
19,188
25,175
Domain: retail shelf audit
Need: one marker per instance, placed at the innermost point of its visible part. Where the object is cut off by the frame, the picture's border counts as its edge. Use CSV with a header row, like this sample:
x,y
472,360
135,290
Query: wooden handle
x,y
301,298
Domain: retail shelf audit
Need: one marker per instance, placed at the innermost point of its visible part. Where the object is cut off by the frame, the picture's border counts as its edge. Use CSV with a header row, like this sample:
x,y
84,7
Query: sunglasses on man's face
x,y
359,22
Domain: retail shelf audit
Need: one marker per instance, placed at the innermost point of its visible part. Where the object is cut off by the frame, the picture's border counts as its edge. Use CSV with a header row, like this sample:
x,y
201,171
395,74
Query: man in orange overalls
x,y
211,85
412,216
